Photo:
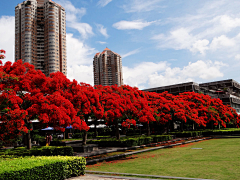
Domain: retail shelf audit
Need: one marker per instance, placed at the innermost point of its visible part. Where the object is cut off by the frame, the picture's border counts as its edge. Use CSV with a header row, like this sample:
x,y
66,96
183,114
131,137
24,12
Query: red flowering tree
x,y
83,96
26,96
208,110
115,105
90,107
2,56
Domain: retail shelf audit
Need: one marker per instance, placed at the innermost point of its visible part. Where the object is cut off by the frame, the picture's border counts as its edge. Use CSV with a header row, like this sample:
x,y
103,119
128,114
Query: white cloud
x,y
81,73
141,5
177,39
7,32
138,75
131,53
102,30
83,28
229,23
221,41
204,70
103,3
74,16
206,30
73,13
78,53
237,57
161,74
201,46
200,69
183,39
79,60
137,24
101,42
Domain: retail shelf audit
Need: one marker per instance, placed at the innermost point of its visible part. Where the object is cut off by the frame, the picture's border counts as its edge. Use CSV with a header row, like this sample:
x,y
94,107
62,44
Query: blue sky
x,y
161,42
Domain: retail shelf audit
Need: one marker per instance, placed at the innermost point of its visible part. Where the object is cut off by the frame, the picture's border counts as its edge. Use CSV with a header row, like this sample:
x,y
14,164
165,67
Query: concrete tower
x,y
107,68
40,35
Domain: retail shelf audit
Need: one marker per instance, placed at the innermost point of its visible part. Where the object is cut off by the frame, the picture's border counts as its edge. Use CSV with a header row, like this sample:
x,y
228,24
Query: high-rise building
x,y
107,68
40,35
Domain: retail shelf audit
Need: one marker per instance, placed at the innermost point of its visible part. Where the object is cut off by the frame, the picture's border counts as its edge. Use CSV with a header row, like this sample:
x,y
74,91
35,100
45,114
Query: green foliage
x,y
187,133
50,168
130,141
37,151
102,137
38,138
230,131
80,135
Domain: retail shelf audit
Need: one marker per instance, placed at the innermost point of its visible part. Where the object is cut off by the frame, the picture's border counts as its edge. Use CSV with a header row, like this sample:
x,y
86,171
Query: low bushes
x,y
232,131
80,135
49,168
130,141
38,151
209,132
187,133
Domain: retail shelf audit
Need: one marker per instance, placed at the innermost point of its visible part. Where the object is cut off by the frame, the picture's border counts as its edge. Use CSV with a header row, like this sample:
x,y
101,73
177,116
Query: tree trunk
x,y
95,128
181,126
148,129
29,145
193,128
84,142
117,131
168,127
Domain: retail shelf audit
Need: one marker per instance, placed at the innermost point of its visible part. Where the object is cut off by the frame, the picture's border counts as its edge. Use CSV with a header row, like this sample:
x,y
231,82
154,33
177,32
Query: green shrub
x,y
80,135
38,151
187,133
208,132
229,131
77,135
160,138
130,141
51,168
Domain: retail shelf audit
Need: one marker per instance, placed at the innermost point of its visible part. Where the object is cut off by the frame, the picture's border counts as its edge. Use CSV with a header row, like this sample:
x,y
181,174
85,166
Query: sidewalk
x,y
103,177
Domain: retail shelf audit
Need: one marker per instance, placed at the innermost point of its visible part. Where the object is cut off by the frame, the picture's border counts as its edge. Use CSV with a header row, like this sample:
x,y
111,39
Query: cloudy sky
x,y
161,42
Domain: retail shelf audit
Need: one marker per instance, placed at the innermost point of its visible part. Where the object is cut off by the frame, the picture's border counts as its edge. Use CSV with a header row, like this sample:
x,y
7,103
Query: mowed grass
x,y
218,159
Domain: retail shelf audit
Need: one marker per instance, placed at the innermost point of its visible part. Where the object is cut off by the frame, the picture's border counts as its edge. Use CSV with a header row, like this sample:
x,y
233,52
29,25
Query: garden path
x,y
104,177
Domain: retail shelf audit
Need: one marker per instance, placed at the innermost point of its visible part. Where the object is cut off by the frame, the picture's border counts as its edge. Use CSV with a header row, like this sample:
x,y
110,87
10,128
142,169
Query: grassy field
x,y
218,159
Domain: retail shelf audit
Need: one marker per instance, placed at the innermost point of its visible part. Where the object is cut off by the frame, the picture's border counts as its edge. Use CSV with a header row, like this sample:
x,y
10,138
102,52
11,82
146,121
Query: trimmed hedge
x,y
187,133
233,131
49,168
130,141
38,151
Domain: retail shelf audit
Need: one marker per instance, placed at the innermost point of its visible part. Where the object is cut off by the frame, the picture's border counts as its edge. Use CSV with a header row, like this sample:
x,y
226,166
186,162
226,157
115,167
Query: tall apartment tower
x,y
107,68
40,35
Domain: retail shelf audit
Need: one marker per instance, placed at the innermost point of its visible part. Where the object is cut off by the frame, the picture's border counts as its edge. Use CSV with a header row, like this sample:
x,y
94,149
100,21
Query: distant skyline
x,y
161,42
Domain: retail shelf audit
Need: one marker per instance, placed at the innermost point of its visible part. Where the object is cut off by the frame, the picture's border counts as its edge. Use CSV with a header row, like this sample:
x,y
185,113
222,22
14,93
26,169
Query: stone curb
x,y
140,151
143,175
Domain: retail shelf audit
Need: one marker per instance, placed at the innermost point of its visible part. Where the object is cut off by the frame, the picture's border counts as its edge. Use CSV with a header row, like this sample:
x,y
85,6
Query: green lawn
x,y
218,159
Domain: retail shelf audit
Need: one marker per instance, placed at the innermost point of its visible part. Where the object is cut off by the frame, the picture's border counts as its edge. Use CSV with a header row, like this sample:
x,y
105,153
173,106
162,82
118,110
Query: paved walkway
x,y
102,177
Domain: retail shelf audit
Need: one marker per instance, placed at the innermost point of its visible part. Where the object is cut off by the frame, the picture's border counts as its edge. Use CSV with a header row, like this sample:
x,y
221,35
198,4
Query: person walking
x,y
48,139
